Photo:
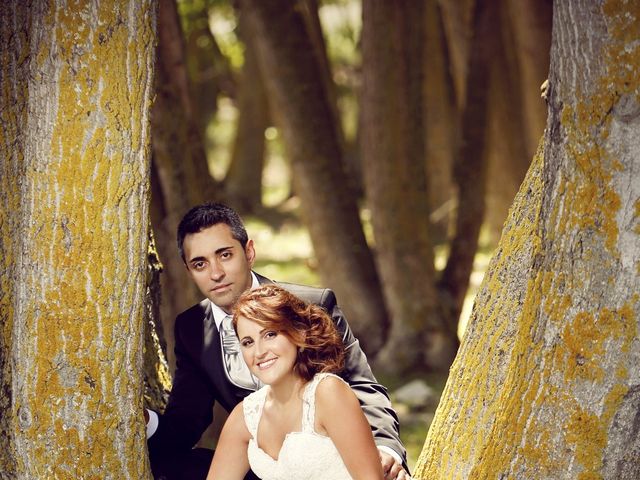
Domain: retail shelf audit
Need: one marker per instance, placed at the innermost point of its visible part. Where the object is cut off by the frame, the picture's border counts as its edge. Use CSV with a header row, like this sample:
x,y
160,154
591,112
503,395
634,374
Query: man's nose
x,y
216,272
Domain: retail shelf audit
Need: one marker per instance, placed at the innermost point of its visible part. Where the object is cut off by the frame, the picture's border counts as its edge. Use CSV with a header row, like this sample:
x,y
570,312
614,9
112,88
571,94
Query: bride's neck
x,y
287,390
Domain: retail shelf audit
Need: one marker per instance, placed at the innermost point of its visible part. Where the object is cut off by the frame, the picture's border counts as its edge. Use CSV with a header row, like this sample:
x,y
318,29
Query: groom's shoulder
x,y
320,296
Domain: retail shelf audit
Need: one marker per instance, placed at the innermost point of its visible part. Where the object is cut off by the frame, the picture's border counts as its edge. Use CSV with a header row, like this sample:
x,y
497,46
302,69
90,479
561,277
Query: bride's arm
x,y
339,413
230,460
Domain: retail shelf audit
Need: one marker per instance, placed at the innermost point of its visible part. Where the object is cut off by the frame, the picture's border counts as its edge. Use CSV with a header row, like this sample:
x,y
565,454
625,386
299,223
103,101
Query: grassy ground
x,y
285,253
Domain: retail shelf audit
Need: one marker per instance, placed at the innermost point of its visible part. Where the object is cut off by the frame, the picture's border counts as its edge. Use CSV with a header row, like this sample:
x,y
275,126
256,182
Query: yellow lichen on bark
x,y
13,118
463,422
547,359
84,213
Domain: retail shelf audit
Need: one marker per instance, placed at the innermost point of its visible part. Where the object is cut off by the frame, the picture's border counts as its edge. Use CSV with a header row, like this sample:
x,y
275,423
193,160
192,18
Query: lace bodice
x,y
305,455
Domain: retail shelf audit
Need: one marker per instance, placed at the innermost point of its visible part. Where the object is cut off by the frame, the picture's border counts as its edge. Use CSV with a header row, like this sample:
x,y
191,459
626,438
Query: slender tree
x,y
441,121
180,176
392,146
294,82
210,71
76,90
243,181
470,163
545,384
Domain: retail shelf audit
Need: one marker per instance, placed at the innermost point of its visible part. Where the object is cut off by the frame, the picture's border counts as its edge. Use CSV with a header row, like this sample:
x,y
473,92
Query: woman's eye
x,y
271,334
246,343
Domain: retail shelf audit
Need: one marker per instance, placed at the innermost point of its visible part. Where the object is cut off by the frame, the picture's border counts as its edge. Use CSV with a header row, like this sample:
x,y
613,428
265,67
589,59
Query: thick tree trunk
x,y
546,383
329,205
74,169
392,136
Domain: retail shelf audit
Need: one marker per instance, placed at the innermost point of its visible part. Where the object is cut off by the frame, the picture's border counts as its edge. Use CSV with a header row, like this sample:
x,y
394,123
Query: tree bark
x,y
74,171
328,204
546,381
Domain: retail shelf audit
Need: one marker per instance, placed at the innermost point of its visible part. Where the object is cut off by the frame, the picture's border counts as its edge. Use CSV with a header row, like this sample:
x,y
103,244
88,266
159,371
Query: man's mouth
x,y
266,364
220,287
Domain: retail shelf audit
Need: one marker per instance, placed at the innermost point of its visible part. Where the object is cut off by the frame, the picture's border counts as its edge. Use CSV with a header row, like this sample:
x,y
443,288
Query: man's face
x,y
218,264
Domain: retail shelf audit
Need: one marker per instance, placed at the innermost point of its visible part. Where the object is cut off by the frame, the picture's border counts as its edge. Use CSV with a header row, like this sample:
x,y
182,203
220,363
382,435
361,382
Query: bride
x,y
305,423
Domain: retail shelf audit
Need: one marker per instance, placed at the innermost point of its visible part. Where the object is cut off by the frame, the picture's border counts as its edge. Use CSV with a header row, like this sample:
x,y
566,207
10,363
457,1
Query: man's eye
x,y
198,265
225,255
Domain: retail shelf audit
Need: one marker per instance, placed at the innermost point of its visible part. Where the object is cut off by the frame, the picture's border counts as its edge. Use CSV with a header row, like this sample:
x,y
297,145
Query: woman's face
x,y
269,354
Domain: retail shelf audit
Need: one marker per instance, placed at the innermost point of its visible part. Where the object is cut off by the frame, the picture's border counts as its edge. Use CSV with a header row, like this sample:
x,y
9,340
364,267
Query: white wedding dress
x,y
305,455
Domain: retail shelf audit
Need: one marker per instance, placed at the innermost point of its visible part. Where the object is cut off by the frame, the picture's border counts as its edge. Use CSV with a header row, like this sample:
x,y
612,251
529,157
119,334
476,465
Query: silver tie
x,y
238,370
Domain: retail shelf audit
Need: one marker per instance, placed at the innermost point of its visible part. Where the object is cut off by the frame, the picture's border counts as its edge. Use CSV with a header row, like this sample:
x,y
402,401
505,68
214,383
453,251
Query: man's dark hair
x,y
205,216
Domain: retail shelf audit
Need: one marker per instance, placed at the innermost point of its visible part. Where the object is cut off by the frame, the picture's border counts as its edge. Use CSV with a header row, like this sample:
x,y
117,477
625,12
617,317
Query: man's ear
x,y
250,252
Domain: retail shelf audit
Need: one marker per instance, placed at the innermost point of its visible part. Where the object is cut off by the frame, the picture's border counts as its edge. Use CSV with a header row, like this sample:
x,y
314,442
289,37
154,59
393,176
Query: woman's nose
x,y
260,349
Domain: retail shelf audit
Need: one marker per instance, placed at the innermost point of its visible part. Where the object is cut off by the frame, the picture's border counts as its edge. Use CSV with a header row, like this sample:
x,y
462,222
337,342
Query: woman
x,y
305,423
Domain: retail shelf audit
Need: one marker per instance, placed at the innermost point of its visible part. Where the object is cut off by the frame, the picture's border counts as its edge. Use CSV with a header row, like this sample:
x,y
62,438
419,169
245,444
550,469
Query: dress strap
x,y
252,408
309,402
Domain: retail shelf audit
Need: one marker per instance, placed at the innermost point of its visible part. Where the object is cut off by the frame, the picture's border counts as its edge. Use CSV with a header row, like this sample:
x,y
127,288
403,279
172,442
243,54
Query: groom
x,y
218,255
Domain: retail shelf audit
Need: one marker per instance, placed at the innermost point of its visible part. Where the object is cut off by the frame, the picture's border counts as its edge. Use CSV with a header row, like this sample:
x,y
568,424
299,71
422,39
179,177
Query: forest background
x,y
377,159
383,143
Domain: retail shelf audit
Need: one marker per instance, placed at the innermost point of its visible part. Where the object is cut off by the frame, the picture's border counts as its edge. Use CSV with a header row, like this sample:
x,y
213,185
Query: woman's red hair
x,y
308,326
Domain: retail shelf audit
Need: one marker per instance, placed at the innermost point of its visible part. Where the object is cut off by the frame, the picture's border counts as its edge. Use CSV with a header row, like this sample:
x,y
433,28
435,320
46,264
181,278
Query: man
x,y
219,257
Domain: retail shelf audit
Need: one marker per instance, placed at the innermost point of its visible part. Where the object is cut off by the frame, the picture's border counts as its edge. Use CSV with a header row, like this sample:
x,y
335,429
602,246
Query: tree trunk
x,y
457,20
180,174
157,379
210,72
546,382
441,124
517,114
74,168
530,24
328,204
243,182
392,136
470,165
179,133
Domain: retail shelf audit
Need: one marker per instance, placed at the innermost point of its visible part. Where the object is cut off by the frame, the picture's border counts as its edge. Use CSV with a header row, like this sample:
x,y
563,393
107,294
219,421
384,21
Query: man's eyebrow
x,y
217,252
